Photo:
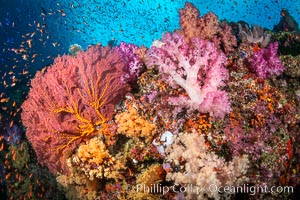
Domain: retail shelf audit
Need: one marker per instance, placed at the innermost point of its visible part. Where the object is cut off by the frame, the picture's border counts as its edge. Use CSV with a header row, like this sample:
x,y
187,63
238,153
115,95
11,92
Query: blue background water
x,y
58,24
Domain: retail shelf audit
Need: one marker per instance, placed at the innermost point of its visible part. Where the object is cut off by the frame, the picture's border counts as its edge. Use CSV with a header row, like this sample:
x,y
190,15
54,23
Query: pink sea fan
x,y
265,62
199,69
72,102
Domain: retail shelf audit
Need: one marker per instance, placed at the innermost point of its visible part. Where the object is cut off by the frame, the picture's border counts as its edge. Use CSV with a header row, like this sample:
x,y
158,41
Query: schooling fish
x,y
44,12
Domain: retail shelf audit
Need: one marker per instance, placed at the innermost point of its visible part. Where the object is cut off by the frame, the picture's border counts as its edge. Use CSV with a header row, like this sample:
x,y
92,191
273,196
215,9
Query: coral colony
x,y
206,112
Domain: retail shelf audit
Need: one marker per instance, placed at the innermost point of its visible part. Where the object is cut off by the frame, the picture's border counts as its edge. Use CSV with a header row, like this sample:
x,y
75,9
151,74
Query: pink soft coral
x,y
198,69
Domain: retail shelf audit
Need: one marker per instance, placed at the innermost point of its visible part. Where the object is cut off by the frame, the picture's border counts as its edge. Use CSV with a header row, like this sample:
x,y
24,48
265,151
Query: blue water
x,y
141,21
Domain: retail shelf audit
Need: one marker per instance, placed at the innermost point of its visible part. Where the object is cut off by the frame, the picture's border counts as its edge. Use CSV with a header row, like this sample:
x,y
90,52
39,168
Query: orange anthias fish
x,y
256,48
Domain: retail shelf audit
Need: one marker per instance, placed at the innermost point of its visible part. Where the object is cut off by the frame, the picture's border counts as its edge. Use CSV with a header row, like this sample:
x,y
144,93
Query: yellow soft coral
x,y
95,160
77,186
131,124
94,151
153,175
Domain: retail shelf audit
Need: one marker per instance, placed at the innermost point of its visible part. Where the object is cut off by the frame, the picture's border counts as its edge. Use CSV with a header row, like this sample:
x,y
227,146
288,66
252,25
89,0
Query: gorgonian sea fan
x,y
71,102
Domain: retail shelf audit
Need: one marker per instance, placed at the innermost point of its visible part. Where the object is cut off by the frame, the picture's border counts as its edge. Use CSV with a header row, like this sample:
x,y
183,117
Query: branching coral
x,y
71,102
206,27
199,69
193,163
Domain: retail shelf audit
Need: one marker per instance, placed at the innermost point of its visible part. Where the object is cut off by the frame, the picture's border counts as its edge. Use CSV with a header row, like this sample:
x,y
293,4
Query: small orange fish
x,y
29,43
256,48
2,146
4,100
14,156
25,72
7,176
130,172
24,56
34,55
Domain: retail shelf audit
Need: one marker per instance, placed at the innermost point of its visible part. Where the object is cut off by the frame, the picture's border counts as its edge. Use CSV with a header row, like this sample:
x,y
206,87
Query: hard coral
x,y
199,70
71,102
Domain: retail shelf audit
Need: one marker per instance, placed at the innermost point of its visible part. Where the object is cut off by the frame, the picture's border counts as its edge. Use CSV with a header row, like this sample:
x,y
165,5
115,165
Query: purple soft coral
x,y
266,62
199,69
134,63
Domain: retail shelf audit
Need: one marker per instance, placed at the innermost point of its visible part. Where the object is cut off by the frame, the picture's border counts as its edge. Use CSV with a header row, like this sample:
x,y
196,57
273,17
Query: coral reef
x,y
292,65
77,186
95,161
24,178
196,110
